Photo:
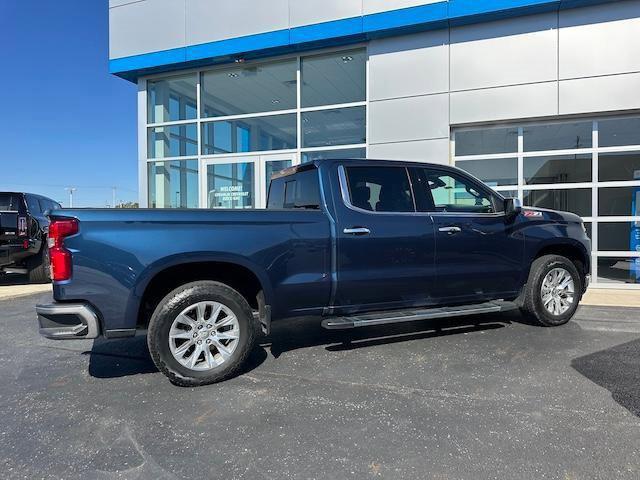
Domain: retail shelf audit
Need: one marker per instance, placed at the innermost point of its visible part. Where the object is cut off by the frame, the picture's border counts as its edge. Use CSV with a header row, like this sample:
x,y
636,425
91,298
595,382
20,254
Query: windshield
x,y
8,202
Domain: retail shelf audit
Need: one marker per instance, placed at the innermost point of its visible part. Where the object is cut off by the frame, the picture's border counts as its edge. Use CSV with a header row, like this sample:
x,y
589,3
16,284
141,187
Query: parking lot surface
x,y
482,397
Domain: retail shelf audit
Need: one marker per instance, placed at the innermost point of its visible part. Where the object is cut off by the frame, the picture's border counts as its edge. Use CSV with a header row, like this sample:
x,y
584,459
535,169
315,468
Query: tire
x,y
178,322
38,266
532,302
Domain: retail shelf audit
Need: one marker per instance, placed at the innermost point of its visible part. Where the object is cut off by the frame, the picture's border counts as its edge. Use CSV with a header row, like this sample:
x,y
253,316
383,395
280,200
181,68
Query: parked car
x,y
23,234
353,242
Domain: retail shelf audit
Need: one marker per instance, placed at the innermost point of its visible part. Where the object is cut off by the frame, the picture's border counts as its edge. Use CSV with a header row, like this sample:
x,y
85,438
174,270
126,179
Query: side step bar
x,y
410,315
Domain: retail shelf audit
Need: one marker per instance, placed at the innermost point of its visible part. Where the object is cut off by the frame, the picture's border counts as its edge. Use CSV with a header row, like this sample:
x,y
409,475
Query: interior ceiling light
x,y
347,58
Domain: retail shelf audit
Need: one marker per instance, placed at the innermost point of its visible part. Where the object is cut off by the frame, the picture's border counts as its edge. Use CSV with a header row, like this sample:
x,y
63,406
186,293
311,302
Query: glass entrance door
x,y
239,181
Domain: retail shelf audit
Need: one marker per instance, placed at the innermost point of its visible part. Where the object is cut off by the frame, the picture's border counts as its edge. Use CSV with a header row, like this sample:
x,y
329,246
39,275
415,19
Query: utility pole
x,y
70,190
113,196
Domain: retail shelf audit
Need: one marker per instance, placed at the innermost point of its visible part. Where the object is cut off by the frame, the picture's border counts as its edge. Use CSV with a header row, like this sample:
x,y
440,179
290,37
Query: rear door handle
x,y
450,230
357,231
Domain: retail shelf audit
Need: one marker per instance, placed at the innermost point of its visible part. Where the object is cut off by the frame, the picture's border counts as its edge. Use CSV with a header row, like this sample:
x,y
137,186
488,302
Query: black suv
x,y
23,234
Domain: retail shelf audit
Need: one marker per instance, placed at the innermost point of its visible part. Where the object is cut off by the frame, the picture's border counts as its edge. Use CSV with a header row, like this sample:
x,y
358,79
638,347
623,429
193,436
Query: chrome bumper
x,y
64,321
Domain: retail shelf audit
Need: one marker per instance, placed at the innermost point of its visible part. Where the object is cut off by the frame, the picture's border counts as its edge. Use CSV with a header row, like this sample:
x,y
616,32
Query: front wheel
x,y
553,291
201,333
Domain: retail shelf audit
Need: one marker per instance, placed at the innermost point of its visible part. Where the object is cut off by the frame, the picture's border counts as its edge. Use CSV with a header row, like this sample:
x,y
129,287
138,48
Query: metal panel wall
x,y
306,12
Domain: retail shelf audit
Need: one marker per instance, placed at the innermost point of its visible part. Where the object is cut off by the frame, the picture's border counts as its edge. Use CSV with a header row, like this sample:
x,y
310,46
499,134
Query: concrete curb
x,y
14,291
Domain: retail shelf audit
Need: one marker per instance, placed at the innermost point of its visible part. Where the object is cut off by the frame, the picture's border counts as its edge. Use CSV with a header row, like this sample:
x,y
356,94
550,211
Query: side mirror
x,y
512,206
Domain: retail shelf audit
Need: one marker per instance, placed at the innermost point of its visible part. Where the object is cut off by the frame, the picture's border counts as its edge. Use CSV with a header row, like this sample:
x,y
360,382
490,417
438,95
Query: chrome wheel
x,y
558,291
204,335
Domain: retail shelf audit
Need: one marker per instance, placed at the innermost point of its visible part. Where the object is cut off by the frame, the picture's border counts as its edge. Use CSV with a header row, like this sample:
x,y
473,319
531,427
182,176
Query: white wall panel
x,y
306,12
600,94
505,52
414,118
209,20
504,103
146,26
436,151
377,6
409,65
600,40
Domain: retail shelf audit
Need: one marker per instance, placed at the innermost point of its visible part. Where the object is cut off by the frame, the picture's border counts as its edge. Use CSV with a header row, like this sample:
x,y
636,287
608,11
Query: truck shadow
x,y
618,370
130,356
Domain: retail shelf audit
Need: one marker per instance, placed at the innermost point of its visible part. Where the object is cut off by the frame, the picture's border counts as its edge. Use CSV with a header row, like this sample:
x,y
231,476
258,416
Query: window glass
x,y
300,190
249,89
577,200
623,270
380,189
33,204
172,141
588,227
333,78
508,193
277,132
273,166
619,166
333,154
171,99
173,184
340,126
619,131
557,136
275,198
231,185
494,172
622,201
488,141
557,169
453,193
619,236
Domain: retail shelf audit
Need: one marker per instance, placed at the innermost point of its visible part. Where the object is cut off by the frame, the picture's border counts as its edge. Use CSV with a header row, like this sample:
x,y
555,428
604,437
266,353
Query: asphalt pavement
x,y
476,398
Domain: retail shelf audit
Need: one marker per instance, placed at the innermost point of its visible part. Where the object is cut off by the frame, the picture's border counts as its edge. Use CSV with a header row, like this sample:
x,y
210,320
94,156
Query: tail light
x,y
59,256
22,226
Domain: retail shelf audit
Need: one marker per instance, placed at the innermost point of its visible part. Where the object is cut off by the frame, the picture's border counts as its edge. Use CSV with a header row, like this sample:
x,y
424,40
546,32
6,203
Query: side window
x,y
300,190
33,204
380,189
454,193
276,193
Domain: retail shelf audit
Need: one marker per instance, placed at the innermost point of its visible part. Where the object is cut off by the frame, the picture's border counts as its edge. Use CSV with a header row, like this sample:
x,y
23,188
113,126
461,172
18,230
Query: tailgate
x,y
8,227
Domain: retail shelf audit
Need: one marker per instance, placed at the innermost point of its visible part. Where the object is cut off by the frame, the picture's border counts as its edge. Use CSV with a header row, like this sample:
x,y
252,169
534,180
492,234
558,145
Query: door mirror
x,y
512,206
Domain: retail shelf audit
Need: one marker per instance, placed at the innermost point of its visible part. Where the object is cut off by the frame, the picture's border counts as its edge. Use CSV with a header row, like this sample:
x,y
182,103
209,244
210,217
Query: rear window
x,y
300,190
380,189
9,202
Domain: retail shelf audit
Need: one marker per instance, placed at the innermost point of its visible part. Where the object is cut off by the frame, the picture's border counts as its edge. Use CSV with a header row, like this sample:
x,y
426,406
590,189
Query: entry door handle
x,y
357,231
450,230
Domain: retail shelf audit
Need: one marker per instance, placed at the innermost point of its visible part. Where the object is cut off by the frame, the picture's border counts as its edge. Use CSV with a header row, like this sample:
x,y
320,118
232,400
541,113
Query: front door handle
x,y
357,231
450,230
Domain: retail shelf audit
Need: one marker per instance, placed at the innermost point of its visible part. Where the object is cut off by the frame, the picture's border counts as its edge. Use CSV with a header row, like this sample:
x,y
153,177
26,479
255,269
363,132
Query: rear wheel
x,y
38,270
201,333
553,291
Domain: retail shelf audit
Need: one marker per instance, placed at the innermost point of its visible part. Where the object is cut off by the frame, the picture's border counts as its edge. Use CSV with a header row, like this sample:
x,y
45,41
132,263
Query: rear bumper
x,y
65,321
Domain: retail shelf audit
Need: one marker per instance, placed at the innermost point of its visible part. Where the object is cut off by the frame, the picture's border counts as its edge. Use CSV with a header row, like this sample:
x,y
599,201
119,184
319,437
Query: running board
x,y
410,315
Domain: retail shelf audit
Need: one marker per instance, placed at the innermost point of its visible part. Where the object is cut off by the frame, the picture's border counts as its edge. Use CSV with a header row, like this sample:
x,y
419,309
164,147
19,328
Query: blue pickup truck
x,y
351,242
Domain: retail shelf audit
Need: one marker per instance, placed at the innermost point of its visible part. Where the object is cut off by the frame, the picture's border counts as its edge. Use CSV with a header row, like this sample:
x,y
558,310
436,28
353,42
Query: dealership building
x,y
540,99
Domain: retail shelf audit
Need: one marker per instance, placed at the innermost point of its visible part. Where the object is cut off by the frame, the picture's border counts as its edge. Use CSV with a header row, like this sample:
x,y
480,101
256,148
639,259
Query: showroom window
x,y
236,125
589,167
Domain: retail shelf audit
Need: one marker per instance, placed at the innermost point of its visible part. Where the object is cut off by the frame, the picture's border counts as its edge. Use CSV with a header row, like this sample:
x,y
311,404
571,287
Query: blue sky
x,y
64,119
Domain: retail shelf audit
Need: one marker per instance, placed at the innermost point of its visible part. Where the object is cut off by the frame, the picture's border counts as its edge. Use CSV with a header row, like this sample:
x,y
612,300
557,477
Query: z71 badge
x,y
532,213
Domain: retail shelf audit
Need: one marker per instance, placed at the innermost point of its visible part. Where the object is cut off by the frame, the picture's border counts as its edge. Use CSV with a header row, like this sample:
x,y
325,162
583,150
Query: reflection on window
x,y
172,141
557,169
454,194
230,185
380,189
340,126
619,236
619,270
333,78
171,99
577,201
344,153
619,166
494,172
274,166
276,132
249,89
557,136
619,201
489,141
619,131
173,184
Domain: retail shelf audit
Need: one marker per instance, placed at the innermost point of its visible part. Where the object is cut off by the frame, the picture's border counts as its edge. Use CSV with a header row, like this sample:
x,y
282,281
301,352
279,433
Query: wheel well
x,y
573,253
240,278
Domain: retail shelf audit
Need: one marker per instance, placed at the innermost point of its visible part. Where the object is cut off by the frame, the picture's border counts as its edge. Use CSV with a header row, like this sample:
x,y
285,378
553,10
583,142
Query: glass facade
x,y
239,124
589,167
173,184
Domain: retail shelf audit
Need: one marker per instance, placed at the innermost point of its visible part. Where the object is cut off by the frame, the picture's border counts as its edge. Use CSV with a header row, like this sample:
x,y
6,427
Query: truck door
x,y
479,252
385,249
